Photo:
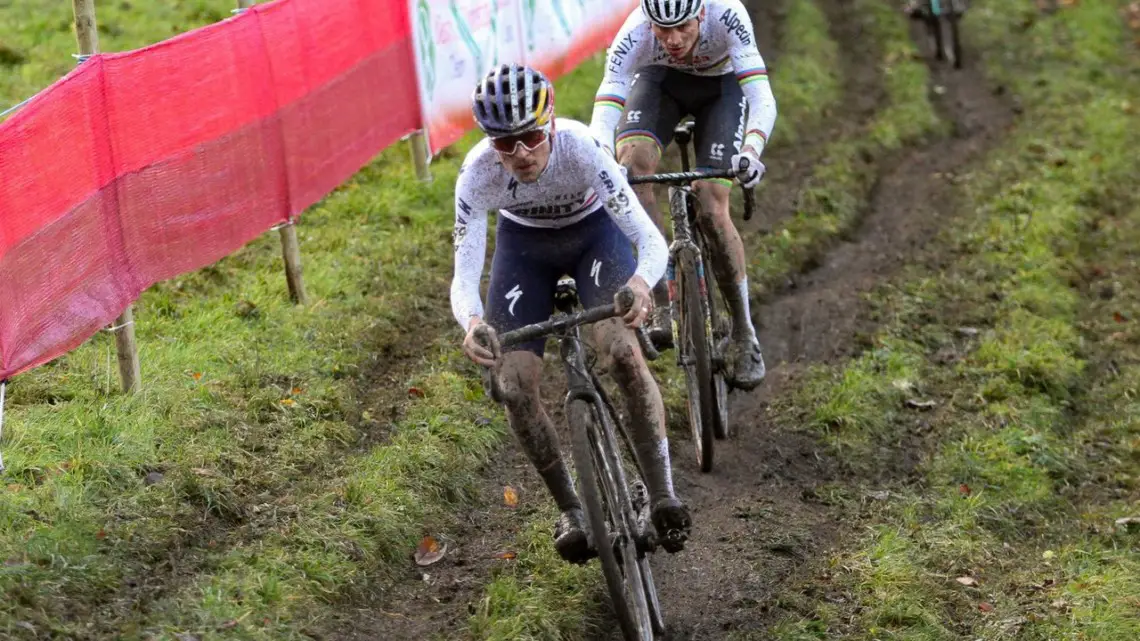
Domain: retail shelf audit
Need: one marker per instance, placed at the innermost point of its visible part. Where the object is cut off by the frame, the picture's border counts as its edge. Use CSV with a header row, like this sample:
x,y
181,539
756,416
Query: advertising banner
x,y
457,41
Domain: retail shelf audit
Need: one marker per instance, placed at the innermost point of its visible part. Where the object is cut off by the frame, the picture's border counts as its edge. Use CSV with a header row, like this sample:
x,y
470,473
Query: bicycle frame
x,y
583,385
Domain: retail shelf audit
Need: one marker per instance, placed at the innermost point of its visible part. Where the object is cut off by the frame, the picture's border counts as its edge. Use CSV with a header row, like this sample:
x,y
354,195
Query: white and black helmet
x,y
512,99
671,13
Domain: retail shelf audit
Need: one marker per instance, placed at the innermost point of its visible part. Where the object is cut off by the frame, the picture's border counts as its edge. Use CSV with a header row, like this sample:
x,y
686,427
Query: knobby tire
x,y
607,503
698,374
718,342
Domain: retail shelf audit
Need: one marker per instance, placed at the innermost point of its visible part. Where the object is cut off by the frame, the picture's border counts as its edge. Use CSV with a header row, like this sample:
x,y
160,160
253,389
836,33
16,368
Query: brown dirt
x,y
736,563
757,518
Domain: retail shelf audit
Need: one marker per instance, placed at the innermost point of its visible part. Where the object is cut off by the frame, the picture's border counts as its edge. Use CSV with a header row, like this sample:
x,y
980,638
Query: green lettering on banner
x,y
528,11
426,49
562,17
468,39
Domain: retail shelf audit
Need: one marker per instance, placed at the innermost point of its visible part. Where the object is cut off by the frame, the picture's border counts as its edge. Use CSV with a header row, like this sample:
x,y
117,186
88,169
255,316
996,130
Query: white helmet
x,y
671,13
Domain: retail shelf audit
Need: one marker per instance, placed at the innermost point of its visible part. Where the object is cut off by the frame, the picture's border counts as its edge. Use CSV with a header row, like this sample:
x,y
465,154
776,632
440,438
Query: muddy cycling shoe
x,y
747,365
671,520
570,537
660,327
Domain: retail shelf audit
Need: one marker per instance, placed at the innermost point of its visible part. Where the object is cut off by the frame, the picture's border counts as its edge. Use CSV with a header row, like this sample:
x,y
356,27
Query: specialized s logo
x,y
596,272
513,187
514,295
736,26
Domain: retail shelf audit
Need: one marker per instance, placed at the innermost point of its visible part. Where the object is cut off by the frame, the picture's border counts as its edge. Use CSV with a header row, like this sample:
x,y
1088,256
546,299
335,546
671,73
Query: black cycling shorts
x,y
661,96
529,261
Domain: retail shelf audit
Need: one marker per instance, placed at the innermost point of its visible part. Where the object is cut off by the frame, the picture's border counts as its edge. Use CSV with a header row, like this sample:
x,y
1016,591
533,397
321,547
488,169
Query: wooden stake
x,y
87,37
290,248
420,156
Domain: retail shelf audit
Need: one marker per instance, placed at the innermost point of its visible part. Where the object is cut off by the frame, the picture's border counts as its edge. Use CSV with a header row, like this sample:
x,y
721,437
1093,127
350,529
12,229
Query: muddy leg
x,y
520,374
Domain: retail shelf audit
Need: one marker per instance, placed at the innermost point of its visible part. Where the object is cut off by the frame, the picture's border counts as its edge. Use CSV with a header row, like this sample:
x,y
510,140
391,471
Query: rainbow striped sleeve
x,y
609,100
749,76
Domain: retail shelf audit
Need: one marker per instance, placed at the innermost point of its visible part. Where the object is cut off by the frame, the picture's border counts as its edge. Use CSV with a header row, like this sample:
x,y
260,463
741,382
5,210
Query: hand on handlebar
x,y
481,344
633,302
748,167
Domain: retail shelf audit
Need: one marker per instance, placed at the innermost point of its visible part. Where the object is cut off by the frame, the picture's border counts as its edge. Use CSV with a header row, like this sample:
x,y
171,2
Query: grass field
x,y
282,461
1020,525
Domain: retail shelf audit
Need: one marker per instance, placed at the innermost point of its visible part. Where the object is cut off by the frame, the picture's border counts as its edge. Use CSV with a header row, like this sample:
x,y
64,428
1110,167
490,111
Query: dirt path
x,y
755,520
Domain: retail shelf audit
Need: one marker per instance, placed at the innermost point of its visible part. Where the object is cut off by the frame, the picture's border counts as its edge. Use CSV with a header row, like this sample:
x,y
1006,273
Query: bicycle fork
x,y
680,207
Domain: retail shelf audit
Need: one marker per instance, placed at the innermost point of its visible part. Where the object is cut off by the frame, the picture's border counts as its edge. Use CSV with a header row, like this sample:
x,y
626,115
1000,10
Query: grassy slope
x,y
269,506
1034,449
542,598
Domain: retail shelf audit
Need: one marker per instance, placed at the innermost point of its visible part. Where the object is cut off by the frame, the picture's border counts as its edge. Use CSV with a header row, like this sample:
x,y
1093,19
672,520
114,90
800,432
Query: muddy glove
x,y
748,167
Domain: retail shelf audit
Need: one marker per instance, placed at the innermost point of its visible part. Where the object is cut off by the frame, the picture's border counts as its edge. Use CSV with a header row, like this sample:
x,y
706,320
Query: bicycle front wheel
x,y
721,325
693,350
610,513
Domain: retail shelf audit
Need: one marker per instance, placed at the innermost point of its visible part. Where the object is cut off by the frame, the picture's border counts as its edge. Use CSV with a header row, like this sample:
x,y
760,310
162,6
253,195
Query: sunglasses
x,y
509,145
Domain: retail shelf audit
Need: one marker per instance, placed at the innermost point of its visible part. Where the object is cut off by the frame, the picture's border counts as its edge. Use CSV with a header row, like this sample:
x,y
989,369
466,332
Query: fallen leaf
x,y
101,534
964,489
510,496
197,376
920,405
508,555
201,471
1048,554
295,391
415,391
1059,604
1118,317
288,402
985,607
232,623
967,581
429,551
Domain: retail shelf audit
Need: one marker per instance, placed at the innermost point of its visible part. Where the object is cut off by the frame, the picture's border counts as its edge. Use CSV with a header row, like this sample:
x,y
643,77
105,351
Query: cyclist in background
x,y
677,57
564,208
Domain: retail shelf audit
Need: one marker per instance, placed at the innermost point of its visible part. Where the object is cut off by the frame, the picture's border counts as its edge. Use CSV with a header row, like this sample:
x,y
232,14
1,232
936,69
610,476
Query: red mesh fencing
x,y
140,166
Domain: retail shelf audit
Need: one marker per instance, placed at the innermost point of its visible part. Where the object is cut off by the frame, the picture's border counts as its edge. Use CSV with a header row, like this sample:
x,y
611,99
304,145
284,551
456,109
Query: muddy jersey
x,y
580,178
726,45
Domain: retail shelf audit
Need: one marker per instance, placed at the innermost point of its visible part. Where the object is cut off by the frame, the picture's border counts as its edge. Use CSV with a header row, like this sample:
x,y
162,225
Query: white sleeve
x,y
752,75
470,238
622,59
625,210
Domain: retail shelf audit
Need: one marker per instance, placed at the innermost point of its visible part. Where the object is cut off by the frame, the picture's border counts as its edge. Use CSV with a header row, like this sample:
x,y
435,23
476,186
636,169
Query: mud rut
x,y
755,520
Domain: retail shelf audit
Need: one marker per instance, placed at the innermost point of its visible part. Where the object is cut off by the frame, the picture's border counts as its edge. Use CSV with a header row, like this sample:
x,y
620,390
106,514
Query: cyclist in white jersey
x,y
564,207
697,57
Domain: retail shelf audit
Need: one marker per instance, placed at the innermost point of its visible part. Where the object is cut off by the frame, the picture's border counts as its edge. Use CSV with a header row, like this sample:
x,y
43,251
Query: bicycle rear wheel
x,y
610,513
693,348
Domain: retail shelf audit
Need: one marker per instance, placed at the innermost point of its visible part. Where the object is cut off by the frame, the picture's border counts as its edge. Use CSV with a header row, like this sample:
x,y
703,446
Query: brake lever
x,y
487,338
749,193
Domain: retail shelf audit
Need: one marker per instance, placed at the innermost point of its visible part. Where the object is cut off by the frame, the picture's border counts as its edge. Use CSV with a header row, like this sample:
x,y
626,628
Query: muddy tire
x,y
693,346
609,511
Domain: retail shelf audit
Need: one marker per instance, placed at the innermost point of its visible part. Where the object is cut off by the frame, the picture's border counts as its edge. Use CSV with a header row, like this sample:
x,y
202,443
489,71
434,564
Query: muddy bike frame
x,y
617,510
700,334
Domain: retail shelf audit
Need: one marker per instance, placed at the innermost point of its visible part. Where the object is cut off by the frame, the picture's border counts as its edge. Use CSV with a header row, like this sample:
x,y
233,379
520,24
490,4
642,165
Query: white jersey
x,y
580,178
726,44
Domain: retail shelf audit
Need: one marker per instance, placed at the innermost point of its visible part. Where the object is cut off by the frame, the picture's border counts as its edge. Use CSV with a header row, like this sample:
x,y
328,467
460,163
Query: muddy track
x,y
755,520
